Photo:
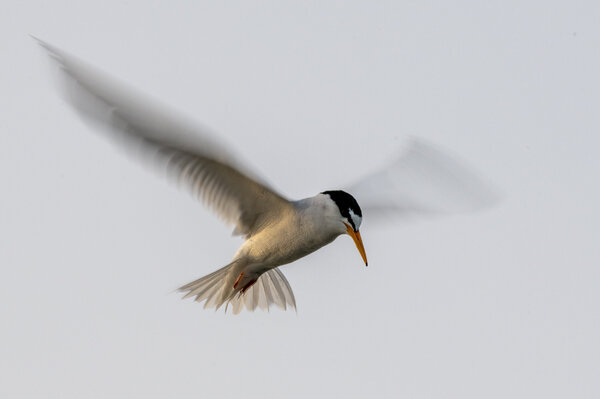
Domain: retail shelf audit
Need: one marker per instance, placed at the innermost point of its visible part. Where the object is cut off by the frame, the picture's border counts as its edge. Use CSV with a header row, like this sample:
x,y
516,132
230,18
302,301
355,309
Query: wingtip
x,y
53,52
39,41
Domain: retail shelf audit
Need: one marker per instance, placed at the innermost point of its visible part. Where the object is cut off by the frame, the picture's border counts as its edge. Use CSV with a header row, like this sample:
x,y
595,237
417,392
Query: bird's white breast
x,y
309,225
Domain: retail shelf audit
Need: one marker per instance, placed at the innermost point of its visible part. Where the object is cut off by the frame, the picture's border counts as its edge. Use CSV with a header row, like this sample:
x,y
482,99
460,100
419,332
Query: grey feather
x,y
185,151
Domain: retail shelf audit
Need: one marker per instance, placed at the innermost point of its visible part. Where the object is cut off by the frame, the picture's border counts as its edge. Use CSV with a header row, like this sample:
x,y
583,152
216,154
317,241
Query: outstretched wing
x,y
182,149
422,180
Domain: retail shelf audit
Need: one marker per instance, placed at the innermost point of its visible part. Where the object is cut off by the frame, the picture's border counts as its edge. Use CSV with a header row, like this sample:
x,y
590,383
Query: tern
x,y
277,230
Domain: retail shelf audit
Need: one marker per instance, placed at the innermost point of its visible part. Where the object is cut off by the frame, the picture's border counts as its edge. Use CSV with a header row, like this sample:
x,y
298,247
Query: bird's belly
x,y
277,247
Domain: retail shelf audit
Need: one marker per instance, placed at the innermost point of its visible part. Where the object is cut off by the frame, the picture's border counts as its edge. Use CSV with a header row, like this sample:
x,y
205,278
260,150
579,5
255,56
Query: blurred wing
x,y
422,180
178,147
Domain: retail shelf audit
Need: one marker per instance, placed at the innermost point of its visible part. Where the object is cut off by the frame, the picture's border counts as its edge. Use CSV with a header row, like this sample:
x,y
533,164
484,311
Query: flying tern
x,y
277,230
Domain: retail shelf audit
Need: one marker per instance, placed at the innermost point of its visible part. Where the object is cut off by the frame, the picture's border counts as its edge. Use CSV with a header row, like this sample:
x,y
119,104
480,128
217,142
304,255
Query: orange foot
x,y
250,284
238,280
244,288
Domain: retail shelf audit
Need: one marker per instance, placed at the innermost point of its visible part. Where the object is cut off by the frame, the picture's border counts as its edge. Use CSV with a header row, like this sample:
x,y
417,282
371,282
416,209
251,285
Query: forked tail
x,y
218,288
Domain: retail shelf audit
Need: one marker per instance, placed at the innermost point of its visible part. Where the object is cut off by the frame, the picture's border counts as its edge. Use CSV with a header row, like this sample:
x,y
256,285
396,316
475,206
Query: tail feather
x,y
216,289
272,288
285,288
198,288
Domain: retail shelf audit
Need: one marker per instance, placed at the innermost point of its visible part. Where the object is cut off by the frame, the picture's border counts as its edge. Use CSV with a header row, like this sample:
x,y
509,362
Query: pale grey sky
x,y
495,304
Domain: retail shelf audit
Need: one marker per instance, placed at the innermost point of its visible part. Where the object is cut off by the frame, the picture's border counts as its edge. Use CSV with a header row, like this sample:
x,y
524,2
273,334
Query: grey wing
x,y
182,149
422,180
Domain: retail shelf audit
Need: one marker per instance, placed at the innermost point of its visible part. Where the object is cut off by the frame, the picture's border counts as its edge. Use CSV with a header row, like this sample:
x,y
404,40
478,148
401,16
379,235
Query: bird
x,y
277,230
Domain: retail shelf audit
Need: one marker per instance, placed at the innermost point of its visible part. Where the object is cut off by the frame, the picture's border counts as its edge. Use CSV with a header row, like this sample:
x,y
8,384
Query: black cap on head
x,y
345,203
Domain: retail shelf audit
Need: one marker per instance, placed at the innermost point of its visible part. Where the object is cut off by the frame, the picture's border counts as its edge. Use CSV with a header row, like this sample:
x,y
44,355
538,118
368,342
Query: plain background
x,y
495,304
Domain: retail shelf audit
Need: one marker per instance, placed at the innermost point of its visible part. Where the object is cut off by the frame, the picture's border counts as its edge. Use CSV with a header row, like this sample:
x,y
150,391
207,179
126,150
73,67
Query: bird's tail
x,y
218,288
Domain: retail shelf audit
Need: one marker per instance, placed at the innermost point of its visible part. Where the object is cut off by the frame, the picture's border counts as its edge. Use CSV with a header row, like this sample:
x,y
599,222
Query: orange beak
x,y
358,241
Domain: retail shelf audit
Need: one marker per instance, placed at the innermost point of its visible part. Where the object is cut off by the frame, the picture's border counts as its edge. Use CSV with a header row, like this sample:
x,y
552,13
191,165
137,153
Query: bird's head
x,y
350,216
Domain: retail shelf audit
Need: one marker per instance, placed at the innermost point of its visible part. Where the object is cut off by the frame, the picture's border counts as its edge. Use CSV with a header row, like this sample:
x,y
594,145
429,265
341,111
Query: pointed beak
x,y
358,241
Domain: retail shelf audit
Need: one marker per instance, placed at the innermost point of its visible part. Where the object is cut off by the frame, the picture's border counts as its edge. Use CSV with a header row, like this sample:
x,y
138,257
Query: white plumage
x,y
277,231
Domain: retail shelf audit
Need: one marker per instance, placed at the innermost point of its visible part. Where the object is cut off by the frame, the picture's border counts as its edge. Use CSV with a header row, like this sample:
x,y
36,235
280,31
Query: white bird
x,y
277,230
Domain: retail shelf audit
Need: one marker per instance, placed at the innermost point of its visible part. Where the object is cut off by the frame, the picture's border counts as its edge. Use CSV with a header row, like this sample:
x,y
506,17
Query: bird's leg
x,y
246,285
238,280
250,284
